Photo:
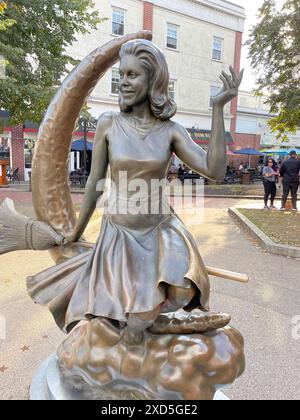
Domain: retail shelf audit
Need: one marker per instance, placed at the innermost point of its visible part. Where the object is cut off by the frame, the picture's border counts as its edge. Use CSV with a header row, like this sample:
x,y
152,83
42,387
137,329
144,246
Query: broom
x,y
18,232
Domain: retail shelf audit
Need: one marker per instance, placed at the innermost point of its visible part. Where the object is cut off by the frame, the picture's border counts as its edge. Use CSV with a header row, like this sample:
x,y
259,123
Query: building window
x,y
172,36
214,90
118,22
217,49
4,148
172,89
29,151
115,81
243,101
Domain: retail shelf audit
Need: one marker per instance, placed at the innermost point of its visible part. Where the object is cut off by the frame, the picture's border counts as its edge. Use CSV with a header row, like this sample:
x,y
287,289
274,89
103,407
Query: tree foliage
x,y
275,54
35,51
4,22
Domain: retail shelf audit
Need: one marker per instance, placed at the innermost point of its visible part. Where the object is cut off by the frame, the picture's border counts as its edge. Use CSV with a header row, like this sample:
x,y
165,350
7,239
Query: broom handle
x,y
216,272
228,275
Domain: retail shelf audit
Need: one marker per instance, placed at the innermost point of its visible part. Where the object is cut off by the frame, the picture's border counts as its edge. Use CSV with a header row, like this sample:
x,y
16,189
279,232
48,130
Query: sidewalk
x,y
262,310
20,193
16,191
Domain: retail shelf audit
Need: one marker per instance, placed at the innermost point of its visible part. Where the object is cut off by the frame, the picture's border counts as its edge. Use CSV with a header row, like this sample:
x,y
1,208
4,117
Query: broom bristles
x,y
18,232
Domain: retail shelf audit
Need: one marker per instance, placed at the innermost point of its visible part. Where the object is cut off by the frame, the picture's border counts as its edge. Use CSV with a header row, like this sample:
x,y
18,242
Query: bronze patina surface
x,y
166,367
143,263
146,266
50,174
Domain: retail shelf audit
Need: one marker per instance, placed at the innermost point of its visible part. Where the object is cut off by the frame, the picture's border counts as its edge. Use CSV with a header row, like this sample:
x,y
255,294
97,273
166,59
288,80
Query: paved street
x,y
262,310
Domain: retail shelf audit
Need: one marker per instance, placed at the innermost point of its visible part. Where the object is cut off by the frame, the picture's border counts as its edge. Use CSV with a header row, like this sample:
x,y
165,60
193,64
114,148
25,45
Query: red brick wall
x,y
148,16
243,141
17,150
237,68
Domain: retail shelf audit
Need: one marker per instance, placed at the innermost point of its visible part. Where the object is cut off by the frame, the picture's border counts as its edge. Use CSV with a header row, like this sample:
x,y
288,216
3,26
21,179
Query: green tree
x,y
275,54
35,51
4,22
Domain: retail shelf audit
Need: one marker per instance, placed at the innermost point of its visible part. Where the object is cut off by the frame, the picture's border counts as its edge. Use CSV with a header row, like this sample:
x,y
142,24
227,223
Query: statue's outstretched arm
x,y
212,164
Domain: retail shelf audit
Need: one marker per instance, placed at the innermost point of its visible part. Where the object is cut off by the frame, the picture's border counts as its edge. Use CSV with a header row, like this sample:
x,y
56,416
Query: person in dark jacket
x,y
181,173
289,171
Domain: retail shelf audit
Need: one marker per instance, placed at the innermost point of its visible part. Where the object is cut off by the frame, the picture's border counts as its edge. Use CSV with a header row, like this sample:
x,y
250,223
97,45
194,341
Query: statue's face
x,y
134,84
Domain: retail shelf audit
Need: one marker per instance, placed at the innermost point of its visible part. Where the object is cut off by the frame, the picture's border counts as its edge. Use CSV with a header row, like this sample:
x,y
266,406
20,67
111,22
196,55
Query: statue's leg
x,y
178,298
137,324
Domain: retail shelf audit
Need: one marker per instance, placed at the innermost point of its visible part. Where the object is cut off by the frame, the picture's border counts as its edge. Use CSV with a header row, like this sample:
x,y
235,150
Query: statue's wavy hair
x,y
154,62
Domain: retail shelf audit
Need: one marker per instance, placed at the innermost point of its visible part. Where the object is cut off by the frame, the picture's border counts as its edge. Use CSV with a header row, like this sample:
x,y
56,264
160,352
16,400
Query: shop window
x,y
29,150
4,148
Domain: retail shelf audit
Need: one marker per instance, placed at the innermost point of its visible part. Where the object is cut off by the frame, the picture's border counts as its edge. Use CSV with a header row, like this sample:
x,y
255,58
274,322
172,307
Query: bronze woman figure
x,y
142,289
142,264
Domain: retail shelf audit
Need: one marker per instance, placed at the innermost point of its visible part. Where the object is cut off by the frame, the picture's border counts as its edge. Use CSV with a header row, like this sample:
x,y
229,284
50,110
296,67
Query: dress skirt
x,y
127,272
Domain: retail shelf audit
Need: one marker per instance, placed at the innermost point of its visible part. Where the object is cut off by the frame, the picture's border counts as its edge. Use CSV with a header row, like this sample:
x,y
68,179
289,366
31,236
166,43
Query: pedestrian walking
x,y
269,181
289,172
181,173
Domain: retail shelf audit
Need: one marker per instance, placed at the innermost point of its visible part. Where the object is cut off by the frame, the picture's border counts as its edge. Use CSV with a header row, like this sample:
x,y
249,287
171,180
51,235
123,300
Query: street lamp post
x,y
85,174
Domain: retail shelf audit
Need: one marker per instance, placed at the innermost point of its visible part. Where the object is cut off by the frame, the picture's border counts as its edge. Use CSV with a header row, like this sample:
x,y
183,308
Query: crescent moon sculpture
x,y
50,188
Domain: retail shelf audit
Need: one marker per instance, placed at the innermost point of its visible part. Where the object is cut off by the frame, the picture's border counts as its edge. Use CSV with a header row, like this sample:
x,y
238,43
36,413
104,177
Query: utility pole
x,y
85,174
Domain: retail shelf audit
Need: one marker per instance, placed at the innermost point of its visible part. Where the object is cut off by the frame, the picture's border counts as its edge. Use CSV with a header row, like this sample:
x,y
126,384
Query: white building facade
x,y
252,120
200,38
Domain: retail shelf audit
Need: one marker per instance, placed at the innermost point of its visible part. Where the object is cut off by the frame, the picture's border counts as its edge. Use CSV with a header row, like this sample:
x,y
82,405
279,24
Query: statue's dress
x,y
136,255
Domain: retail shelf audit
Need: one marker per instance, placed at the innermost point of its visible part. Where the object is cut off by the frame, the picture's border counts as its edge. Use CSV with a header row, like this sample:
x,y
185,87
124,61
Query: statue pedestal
x,y
49,384
94,363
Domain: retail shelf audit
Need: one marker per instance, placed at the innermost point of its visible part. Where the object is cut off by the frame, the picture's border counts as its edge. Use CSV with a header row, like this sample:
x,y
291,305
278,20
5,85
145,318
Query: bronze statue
x,y
144,281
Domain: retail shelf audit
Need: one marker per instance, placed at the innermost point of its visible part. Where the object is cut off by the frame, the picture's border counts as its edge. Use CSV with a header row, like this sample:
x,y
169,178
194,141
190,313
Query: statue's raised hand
x,y
230,89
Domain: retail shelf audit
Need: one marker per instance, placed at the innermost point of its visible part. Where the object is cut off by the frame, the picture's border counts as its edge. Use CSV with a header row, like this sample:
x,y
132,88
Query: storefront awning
x,y
78,146
203,136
